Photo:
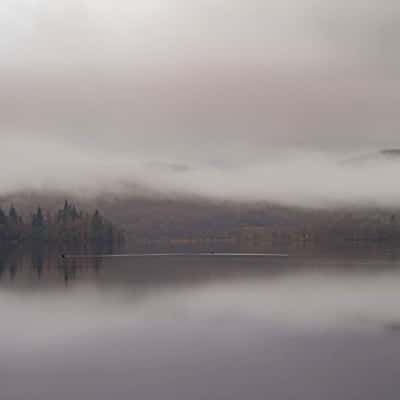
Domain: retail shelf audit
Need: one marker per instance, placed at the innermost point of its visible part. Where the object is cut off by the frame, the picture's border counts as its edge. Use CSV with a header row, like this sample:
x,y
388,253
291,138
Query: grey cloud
x,y
365,31
225,89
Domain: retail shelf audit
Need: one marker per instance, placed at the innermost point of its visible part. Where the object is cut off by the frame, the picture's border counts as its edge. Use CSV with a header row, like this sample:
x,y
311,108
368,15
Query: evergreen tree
x,y
97,225
13,216
3,217
38,219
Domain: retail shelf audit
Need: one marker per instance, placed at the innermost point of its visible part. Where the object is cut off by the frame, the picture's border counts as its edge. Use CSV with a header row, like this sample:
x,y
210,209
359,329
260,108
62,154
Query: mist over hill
x,y
164,222
380,156
200,117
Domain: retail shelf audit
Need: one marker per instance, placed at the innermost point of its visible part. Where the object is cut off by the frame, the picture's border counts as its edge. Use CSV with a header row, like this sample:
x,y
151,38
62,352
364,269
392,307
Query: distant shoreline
x,y
178,255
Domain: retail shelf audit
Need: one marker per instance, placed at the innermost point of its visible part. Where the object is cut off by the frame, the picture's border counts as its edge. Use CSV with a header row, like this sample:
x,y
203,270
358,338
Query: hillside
x,y
160,223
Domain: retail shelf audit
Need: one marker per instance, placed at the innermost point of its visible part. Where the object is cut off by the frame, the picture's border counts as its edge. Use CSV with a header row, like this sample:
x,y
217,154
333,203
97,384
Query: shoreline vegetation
x,y
304,235
159,226
67,226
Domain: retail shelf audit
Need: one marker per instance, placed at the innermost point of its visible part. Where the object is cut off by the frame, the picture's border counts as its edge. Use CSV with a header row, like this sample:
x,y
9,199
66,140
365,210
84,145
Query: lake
x,y
191,327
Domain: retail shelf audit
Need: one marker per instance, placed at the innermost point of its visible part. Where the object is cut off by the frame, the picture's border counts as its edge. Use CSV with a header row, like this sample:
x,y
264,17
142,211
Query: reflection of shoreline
x,y
40,266
37,263
188,254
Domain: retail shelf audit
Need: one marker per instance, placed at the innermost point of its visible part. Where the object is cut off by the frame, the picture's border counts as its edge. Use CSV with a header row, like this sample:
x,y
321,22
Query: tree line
x,y
68,224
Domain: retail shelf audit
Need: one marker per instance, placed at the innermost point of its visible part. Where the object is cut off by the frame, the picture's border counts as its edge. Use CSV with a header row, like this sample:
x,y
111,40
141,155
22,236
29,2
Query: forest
x,y
159,224
68,224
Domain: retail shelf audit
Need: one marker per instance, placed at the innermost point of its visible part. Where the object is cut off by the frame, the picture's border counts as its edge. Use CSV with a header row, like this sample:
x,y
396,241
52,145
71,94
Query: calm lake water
x,y
199,327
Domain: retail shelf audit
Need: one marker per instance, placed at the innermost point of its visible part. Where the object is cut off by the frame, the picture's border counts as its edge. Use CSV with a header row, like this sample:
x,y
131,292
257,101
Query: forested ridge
x,y
179,224
67,224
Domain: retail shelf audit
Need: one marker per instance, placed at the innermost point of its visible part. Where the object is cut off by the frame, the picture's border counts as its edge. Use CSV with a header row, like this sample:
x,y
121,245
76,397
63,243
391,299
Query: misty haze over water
x,y
199,327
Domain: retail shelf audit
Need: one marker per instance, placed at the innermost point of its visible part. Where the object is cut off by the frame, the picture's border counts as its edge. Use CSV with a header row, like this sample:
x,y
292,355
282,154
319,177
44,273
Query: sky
x,y
255,100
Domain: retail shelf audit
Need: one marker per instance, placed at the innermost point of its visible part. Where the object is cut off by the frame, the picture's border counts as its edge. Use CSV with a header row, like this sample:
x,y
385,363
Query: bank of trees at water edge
x,y
68,224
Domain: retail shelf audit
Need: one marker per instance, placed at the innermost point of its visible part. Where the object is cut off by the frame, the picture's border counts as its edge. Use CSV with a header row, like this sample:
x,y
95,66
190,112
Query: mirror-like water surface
x,y
195,327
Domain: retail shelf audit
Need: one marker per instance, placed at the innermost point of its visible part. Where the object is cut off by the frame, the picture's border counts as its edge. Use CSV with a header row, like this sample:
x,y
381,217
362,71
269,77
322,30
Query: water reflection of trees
x,y
3,266
41,263
38,260
8,265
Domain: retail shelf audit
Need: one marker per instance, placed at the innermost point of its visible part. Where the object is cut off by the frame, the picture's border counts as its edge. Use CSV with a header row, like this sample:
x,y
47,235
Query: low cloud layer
x,y
258,101
290,178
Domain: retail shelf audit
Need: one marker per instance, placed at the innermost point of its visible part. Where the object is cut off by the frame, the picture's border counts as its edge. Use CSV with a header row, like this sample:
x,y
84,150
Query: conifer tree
x,y
97,225
37,219
3,217
13,216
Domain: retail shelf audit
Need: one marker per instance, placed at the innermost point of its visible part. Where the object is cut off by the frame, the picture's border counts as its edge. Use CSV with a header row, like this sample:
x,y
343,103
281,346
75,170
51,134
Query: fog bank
x,y
291,178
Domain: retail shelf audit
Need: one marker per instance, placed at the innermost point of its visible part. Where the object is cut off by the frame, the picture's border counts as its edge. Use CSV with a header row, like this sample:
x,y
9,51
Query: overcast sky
x,y
202,96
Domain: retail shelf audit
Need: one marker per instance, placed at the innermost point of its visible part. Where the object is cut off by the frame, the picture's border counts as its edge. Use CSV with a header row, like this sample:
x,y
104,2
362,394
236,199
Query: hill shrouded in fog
x,y
161,223
223,116
384,155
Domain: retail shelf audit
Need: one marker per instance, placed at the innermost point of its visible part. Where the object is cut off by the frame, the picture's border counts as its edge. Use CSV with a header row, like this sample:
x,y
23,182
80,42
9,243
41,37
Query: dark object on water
x,y
63,255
